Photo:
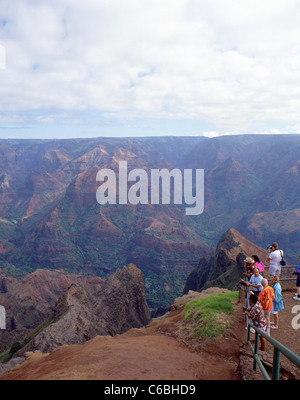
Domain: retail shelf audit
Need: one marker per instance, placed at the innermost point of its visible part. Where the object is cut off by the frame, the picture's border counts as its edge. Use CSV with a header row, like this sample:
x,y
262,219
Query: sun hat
x,y
249,260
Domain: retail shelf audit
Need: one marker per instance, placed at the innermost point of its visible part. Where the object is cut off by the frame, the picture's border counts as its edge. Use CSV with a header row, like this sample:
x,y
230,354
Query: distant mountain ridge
x,y
49,217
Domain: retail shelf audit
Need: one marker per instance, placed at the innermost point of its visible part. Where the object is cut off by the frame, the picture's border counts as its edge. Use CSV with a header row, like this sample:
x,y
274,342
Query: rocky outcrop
x,y
224,269
30,300
165,349
80,315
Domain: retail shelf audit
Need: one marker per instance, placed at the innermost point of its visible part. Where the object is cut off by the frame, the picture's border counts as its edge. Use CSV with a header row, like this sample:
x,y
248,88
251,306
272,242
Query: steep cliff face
x,y
224,269
30,300
80,315
124,298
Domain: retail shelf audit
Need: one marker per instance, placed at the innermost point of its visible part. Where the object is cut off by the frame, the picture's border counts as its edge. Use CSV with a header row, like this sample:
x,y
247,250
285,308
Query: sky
x,y
73,68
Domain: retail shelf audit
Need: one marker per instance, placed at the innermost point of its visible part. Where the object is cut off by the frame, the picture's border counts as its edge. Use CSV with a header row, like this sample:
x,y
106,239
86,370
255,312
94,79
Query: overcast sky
x,y
73,68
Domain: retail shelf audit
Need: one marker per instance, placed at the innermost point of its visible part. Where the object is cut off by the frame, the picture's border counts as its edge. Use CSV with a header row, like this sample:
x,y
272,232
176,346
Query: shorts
x,y
274,271
298,281
273,312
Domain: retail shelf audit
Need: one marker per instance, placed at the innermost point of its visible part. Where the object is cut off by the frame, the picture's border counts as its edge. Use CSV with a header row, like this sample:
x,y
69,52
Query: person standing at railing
x,y
249,267
259,264
297,272
256,313
255,282
278,301
275,258
266,297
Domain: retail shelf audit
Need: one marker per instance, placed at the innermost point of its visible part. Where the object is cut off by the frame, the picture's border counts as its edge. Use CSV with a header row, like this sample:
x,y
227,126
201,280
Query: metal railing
x,y
278,349
285,267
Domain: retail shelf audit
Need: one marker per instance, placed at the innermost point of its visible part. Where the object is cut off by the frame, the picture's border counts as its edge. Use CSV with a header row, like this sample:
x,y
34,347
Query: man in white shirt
x,y
275,258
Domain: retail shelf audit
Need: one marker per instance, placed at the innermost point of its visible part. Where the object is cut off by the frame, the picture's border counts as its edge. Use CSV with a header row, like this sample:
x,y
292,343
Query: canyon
x,y
50,218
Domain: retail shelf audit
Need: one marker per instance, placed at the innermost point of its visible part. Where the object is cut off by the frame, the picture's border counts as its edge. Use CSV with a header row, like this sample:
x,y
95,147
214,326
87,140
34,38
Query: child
x,y
297,272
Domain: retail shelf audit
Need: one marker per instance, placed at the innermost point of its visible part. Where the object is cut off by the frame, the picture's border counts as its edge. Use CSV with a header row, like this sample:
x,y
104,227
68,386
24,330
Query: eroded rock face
x,y
80,315
30,300
124,298
227,265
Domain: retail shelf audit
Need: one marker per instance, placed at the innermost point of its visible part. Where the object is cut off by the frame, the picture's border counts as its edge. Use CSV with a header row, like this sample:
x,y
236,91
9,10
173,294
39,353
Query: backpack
x,y
282,262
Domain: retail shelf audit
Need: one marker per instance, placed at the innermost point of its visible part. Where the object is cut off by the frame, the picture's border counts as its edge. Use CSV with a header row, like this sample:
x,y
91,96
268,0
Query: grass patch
x,y
205,314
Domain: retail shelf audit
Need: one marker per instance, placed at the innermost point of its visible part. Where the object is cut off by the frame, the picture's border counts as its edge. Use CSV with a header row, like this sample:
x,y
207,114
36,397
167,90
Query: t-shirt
x,y
266,297
275,258
256,280
260,266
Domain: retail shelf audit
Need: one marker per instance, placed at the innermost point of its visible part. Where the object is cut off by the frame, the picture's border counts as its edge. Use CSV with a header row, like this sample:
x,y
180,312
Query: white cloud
x,y
262,132
234,64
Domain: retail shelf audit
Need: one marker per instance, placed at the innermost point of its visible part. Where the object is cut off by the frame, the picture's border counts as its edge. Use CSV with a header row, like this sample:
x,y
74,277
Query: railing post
x,y
247,306
276,364
255,350
248,331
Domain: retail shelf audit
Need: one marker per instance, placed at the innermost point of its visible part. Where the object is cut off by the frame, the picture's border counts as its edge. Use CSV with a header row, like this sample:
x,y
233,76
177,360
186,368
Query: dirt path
x,y
286,332
162,351
134,356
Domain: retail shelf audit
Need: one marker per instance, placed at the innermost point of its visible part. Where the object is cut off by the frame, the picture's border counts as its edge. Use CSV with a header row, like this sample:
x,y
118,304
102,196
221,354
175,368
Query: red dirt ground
x,y
164,350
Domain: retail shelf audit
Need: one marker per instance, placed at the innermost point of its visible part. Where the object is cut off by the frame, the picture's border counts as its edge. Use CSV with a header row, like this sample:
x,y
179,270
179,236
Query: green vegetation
x,y
6,221
204,314
162,289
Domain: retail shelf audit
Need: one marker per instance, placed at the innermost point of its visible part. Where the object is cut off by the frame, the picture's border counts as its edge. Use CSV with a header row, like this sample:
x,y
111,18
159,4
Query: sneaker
x,y
296,298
